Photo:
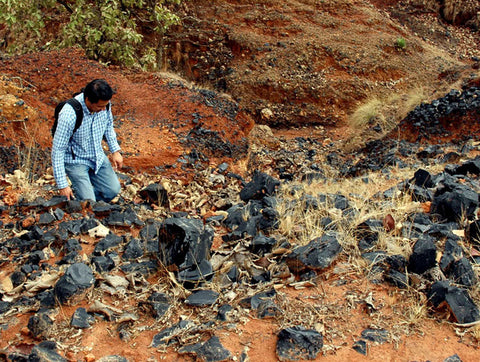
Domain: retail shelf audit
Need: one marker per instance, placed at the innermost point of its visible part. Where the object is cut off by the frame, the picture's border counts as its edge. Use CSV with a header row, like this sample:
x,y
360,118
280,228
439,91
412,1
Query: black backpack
x,y
78,112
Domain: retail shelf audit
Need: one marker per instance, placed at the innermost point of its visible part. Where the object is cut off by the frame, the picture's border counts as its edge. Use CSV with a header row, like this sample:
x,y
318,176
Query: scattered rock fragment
x,y
455,300
361,347
123,218
155,194
109,242
375,335
261,185
261,136
316,255
451,253
297,342
133,250
224,312
455,201
423,256
454,358
378,336
209,351
367,233
397,278
158,303
77,279
113,358
40,325
256,300
164,337
462,273
201,298
46,351
81,319
262,244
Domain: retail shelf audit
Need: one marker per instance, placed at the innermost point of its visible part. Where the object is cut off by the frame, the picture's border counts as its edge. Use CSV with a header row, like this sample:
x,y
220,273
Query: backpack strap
x,y
77,107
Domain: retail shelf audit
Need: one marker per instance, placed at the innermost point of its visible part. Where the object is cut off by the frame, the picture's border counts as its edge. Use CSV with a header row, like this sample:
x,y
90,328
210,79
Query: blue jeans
x,y
86,185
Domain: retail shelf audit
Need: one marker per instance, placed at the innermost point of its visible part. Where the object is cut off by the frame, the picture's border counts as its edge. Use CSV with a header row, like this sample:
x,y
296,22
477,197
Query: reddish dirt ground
x,y
155,112
427,340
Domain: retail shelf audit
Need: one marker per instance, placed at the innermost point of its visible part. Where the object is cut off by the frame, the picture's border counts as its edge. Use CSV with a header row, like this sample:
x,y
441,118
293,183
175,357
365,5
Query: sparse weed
x,y
475,290
401,43
415,310
28,156
29,169
414,97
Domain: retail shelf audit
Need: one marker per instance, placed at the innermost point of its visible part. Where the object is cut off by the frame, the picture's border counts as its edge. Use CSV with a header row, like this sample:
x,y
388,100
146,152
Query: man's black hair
x,y
98,89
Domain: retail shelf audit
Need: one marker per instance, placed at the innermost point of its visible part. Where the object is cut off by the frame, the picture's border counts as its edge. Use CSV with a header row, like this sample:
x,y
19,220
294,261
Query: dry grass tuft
x,y
378,116
366,114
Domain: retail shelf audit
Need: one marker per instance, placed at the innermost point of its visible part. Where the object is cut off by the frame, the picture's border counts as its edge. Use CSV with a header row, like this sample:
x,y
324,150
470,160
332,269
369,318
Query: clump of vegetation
x,y
110,31
377,116
400,43
308,212
367,114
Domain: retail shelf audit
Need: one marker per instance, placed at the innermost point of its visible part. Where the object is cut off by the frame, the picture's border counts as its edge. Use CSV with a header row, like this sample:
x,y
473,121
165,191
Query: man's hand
x,y
67,191
117,160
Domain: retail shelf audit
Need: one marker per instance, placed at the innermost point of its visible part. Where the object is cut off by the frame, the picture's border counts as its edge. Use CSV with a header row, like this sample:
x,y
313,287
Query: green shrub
x,y
108,30
400,43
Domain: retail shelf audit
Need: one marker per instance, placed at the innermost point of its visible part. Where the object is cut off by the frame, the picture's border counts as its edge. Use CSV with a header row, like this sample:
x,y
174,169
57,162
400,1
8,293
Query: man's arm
x,y
67,191
111,137
66,123
117,160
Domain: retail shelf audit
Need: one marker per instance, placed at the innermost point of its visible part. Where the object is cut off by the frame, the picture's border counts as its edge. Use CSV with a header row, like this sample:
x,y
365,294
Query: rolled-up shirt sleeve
x,y
66,123
110,135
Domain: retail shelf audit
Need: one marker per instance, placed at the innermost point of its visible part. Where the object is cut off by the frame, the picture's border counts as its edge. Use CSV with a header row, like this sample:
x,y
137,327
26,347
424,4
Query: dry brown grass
x,y
302,225
377,116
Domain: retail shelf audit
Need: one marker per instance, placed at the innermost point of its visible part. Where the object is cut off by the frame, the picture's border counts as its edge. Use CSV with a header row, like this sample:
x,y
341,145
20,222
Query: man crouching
x,y
79,155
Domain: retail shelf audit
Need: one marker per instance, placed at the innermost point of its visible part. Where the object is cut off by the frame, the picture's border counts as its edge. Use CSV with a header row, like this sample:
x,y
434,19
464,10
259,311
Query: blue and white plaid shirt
x,y
85,147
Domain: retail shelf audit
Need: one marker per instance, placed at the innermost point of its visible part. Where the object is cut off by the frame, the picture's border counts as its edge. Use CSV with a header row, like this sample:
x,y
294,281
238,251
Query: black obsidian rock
x,y
76,279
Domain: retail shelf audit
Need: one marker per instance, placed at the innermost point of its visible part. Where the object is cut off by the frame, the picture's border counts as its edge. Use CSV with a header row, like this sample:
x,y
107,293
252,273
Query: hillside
x,y
196,131
313,62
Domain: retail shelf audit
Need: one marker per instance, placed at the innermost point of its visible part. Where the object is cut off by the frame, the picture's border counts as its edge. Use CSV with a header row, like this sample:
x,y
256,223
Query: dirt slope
x,y
289,63
157,118
314,62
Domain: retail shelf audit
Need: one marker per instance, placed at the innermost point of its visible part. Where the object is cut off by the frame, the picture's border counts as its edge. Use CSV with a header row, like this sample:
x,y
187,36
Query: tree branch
x,y
69,9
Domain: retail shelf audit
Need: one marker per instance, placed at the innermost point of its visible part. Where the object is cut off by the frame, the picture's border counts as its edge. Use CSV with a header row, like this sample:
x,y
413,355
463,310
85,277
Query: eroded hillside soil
x,y
307,62
157,118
